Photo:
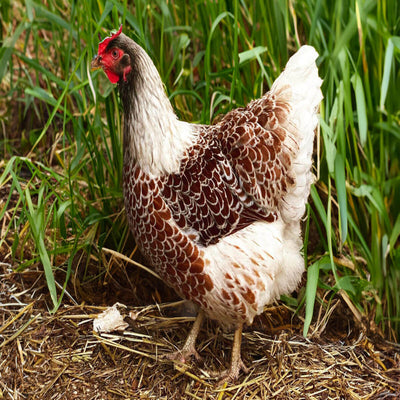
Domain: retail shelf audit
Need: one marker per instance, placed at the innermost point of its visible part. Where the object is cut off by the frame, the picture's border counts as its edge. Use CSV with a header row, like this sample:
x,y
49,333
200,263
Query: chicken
x,y
216,209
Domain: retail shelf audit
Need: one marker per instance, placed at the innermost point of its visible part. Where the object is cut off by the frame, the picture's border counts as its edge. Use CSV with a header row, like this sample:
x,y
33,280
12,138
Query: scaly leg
x,y
237,364
189,348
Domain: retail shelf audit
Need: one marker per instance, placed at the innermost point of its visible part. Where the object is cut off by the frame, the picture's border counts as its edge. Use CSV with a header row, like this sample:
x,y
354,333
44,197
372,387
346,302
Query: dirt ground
x,y
59,356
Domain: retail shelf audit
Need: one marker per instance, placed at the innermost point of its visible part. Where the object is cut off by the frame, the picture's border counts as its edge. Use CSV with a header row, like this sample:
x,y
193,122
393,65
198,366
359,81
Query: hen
x,y
216,209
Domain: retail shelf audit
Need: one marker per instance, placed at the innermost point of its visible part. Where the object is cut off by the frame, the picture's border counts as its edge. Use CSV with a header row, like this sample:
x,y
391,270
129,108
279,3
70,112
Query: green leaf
x,y
46,14
36,221
311,291
8,47
319,205
329,143
393,42
42,94
340,179
395,233
251,54
361,107
346,283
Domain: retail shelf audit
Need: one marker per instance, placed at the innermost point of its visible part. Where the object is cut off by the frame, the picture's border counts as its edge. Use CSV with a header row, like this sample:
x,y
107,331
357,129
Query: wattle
x,y
114,78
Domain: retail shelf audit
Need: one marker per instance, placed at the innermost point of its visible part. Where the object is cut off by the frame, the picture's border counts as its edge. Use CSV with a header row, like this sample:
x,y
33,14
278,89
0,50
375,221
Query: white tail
x,y
300,84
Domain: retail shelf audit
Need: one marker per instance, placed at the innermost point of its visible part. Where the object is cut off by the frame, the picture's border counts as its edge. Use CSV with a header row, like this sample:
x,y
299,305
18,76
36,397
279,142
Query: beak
x,y
96,63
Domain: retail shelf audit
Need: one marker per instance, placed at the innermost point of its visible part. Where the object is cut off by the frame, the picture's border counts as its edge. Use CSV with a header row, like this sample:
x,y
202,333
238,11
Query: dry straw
x,y
45,356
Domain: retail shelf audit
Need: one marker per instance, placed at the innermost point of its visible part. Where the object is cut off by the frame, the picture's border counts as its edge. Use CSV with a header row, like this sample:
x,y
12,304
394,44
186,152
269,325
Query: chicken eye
x,y
115,54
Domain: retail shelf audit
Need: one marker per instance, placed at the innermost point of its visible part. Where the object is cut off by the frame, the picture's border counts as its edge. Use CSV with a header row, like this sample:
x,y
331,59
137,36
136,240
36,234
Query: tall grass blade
x,y
311,291
393,43
340,180
361,107
394,237
8,45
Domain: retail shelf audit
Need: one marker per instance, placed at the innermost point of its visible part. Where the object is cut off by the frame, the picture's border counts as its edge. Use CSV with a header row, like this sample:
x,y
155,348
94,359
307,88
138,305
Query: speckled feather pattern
x,y
222,224
234,175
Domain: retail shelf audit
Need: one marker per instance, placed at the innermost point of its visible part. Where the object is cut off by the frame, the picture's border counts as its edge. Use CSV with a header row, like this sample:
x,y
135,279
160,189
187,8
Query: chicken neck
x,y
153,136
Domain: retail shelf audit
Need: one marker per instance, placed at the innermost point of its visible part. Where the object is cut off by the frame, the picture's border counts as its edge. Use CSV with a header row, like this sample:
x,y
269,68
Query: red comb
x,y
104,43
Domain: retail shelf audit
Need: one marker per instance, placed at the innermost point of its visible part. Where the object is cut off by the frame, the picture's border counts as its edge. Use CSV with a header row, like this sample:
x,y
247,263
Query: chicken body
x,y
216,209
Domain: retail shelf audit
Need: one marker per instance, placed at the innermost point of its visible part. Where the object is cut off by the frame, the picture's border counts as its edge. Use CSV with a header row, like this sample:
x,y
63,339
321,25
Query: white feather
x,y
156,138
300,83
268,250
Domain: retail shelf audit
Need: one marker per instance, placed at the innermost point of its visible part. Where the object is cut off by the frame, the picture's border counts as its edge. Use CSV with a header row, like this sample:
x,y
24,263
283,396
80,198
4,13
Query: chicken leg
x,y
189,349
237,364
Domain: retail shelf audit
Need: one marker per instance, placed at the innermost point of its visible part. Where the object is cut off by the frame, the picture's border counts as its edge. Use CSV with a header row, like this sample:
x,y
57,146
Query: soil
x,y
46,355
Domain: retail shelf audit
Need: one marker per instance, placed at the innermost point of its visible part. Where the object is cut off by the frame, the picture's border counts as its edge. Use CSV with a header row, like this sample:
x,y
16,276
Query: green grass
x,y
61,142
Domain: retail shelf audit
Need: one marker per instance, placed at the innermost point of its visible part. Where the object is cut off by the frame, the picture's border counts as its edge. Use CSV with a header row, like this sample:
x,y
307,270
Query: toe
x,y
232,374
183,355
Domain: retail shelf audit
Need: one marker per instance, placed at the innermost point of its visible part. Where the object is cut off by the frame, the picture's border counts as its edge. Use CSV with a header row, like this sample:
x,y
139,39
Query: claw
x,y
232,374
183,355
189,348
237,365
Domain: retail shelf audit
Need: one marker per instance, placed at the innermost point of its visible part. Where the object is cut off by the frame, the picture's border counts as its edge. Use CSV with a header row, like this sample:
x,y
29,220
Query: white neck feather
x,y
153,136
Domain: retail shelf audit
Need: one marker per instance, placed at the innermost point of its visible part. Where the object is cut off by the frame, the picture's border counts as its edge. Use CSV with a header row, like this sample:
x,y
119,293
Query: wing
x,y
260,149
234,175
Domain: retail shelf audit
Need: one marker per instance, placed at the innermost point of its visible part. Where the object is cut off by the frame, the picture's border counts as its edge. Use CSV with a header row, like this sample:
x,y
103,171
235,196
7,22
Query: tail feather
x,y
300,84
